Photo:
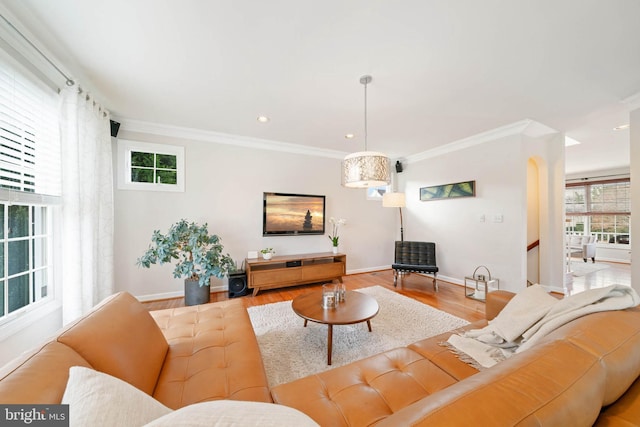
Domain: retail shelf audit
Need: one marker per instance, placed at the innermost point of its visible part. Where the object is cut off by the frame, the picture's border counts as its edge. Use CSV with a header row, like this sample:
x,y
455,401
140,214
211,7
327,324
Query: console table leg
x,y
329,344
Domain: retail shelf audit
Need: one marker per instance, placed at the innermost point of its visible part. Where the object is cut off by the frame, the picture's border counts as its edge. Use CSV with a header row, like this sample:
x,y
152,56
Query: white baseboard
x,y
368,270
176,294
454,280
614,260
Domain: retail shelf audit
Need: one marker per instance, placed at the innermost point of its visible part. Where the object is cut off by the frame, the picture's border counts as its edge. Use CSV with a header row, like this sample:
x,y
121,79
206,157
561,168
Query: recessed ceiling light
x,y
622,127
349,136
263,119
568,142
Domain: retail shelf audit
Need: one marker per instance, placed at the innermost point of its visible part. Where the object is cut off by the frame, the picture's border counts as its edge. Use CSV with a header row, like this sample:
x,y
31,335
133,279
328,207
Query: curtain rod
x,y
69,81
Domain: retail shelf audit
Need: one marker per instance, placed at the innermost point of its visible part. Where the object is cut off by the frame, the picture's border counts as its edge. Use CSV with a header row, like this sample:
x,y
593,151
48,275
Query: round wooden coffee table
x,y
357,307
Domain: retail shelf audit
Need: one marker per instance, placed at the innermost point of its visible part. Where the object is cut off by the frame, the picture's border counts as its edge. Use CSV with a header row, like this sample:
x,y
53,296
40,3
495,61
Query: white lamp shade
x,y
365,169
394,200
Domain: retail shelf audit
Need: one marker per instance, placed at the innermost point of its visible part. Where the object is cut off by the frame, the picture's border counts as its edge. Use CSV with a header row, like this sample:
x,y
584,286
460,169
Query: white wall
x,y
463,240
224,186
533,221
547,150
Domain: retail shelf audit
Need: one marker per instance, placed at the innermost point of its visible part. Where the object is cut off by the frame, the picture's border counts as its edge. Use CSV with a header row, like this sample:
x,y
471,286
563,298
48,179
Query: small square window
x,y
152,167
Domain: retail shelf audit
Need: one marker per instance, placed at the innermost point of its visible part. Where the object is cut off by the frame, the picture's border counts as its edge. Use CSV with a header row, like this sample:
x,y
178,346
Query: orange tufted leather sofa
x,y
179,356
582,373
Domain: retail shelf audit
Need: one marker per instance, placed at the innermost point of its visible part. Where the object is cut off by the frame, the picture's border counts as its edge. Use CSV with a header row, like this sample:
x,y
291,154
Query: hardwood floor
x,y
449,298
612,273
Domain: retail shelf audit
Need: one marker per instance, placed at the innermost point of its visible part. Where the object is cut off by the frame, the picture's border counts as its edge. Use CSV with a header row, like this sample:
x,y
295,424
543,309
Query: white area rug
x,y
581,268
291,351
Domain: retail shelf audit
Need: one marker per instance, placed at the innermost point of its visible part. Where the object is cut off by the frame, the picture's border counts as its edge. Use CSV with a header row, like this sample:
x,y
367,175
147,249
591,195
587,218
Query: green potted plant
x,y
267,253
198,256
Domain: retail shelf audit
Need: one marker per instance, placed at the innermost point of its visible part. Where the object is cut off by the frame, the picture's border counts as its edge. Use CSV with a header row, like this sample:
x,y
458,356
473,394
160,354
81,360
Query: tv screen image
x,y
292,214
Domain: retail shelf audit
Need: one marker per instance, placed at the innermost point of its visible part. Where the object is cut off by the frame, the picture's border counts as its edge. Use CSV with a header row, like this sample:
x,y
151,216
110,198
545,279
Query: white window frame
x,y
126,147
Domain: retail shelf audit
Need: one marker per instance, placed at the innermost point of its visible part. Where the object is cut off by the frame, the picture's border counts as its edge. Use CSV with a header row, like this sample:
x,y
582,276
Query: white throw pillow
x,y
98,399
227,413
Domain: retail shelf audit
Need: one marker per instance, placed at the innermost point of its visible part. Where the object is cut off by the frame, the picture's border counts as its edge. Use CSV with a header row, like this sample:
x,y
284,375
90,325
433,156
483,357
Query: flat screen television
x,y
292,214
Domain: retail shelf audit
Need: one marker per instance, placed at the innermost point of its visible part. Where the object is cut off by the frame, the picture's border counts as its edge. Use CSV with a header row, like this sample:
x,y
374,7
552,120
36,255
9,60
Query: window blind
x,y
29,137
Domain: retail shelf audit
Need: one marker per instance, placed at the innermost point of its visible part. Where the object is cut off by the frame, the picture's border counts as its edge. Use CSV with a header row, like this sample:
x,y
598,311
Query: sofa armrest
x,y
496,300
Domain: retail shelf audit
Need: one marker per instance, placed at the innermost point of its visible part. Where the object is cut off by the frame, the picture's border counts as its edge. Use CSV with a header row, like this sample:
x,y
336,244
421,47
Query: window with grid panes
x,y
600,208
147,166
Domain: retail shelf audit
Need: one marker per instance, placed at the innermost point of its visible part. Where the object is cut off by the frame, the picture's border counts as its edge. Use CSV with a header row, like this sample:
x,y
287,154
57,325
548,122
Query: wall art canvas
x,y
448,191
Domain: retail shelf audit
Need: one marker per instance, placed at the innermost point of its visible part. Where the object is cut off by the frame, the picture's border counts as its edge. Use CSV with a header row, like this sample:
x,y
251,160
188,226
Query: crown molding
x,y
632,102
224,138
525,127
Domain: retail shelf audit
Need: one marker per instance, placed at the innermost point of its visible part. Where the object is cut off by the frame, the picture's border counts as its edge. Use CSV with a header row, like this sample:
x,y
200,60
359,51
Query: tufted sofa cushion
x,y
366,391
213,354
555,384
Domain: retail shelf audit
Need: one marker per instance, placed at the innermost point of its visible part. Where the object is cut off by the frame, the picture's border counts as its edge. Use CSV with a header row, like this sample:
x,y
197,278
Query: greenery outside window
x,y
600,208
25,268
146,166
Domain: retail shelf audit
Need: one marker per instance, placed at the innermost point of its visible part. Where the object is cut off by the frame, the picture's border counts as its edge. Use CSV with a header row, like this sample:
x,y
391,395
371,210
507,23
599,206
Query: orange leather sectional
x,y
196,354
583,373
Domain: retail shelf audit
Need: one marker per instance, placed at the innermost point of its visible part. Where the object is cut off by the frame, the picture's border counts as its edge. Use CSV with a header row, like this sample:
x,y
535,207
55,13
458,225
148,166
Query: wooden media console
x,y
292,270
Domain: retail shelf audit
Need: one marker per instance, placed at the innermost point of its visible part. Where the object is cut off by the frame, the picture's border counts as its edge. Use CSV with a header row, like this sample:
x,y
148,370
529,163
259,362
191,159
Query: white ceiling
x,y
442,70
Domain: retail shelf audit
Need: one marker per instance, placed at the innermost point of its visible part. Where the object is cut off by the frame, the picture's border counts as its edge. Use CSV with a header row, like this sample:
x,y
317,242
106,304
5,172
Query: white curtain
x,y
87,203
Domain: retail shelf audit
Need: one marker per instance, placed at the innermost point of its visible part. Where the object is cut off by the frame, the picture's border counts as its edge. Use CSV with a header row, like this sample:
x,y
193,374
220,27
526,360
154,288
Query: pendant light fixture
x,y
365,168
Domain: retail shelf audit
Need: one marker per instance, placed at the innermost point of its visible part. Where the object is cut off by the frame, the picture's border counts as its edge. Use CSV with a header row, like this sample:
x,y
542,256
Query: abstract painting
x,y
448,191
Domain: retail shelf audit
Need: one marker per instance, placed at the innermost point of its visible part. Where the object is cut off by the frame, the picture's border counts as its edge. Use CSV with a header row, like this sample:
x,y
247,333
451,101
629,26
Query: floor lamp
x,y
395,200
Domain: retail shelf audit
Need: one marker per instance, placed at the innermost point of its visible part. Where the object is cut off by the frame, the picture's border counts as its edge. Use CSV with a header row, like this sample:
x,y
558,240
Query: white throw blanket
x,y
530,316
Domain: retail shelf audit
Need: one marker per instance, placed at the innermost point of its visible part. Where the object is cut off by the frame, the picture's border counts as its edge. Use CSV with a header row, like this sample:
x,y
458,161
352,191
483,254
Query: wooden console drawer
x,y
322,271
276,276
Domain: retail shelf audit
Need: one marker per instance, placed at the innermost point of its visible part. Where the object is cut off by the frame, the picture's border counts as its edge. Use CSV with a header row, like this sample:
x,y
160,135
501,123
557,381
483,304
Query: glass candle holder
x,y
329,296
341,292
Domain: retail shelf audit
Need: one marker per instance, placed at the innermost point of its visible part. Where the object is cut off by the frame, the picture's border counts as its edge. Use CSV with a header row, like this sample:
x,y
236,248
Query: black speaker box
x,y
238,285
115,127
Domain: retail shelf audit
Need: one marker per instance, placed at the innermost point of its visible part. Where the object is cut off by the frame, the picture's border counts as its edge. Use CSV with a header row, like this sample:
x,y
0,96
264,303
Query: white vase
x,y
267,255
335,249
